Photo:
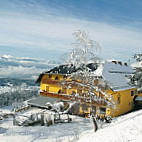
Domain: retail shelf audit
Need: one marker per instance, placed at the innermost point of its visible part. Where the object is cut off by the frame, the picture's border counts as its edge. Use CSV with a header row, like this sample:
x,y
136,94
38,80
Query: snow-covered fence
x,y
5,114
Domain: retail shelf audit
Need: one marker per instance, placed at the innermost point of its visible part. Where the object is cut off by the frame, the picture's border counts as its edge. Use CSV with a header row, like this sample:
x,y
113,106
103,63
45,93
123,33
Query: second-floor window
x,y
50,75
132,93
56,78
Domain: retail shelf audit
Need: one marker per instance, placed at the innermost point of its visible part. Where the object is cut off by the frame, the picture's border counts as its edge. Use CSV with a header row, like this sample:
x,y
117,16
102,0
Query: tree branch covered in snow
x,y
83,49
136,79
80,57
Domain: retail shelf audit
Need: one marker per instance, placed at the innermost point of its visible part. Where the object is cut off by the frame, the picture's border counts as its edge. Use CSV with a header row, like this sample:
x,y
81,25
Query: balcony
x,y
80,99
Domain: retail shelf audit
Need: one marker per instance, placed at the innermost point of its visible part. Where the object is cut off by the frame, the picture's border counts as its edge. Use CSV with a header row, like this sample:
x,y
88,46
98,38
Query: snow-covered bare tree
x,y
84,49
80,59
136,79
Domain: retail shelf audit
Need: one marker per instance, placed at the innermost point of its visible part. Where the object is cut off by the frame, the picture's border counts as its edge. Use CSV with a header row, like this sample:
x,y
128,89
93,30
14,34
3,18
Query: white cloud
x,y
19,72
51,32
23,67
8,60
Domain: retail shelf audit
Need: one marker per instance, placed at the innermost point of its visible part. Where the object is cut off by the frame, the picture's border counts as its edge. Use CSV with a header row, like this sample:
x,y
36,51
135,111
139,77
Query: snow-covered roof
x,y
137,64
113,72
115,75
138,98
66,69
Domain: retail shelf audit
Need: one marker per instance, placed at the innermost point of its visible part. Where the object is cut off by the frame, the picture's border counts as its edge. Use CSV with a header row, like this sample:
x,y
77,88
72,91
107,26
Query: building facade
x,y
114,98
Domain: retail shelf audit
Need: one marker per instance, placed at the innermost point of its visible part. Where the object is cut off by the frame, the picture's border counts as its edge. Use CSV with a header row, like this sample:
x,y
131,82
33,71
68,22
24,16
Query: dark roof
x,y
40,77
68,69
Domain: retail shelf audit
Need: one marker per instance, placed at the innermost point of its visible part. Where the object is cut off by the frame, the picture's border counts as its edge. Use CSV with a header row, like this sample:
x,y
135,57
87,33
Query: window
x,y
84,107
64,77
102,110
132,93
135,92
56,78
118,99
73,93
47,88
100,94
50,75
64,90
79,91
94,109
59,92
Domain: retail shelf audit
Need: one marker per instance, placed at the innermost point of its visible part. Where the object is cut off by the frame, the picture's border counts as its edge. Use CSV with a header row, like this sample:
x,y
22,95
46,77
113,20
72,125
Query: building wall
x,y
124,102
46,84
123,99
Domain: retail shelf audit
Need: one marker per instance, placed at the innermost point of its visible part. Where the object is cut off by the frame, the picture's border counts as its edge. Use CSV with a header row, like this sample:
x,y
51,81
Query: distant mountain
x,y
9,82
23,67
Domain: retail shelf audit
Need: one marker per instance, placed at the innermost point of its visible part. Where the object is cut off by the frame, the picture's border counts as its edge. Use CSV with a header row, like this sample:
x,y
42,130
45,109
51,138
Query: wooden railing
x,y
80,99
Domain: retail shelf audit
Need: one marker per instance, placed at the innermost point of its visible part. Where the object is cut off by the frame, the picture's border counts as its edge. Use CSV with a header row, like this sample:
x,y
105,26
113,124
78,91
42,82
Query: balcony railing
x,y
80,99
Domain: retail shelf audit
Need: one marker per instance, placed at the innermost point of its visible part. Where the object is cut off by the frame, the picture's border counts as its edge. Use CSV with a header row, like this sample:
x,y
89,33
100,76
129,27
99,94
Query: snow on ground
x,y
62,132
127,128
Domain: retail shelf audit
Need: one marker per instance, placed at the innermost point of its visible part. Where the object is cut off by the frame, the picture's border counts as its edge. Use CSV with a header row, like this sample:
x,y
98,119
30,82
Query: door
x,y
47,88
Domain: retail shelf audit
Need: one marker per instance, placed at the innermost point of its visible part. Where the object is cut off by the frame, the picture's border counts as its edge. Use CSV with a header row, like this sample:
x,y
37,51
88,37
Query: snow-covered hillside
x,y
127,128
17,90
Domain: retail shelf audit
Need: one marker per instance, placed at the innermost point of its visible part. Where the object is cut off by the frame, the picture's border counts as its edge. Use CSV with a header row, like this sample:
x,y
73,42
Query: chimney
x,y
119,62
115,62
125,64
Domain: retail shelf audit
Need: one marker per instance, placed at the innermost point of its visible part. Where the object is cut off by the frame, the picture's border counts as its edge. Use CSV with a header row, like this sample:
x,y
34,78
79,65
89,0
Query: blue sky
x,y
43,28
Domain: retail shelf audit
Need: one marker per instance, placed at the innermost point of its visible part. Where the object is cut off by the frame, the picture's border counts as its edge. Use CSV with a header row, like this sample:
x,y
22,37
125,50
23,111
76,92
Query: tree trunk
x,y
95,124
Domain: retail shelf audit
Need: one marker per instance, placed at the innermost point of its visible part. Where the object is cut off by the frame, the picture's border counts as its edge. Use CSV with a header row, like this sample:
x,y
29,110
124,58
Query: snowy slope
x,y
62,132
127,128
122,129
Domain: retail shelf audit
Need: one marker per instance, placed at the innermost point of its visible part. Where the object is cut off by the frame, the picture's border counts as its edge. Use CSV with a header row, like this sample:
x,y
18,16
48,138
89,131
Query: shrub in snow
x,y
58,106
49,105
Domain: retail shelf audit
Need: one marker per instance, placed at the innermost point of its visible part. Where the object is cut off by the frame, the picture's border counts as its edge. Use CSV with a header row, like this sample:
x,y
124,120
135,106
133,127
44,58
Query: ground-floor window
x,y
47,88
102,110
132,93
84,107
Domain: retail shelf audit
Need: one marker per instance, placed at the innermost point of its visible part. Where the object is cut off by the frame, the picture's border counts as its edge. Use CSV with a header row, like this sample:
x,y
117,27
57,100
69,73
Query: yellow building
x,y
58,83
